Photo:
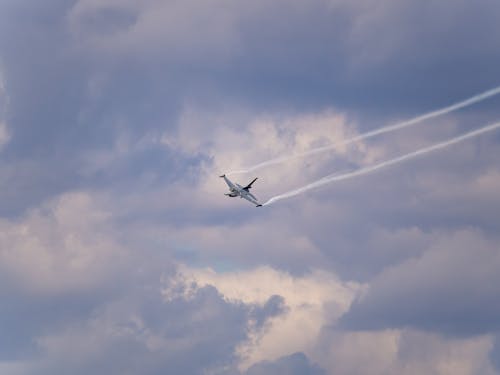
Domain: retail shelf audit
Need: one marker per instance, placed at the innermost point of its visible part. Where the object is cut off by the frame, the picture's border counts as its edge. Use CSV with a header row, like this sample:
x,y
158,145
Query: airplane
x,y
236,190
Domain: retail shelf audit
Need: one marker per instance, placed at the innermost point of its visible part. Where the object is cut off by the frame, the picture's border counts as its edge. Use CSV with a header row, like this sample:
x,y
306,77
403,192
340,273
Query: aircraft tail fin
x,y
250,184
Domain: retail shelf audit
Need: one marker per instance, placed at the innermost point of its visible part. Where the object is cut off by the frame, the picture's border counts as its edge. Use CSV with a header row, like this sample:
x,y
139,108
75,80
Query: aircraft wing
x,y
251,199
252,196
228,182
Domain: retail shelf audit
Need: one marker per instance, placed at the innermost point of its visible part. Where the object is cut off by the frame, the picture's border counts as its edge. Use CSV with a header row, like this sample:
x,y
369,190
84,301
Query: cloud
x,y
311,301
4,99
150,332
140,333
101,71
60,254
405,352
296,363
4,134
171,32
65,239
457,296
77,300
495,353
120,115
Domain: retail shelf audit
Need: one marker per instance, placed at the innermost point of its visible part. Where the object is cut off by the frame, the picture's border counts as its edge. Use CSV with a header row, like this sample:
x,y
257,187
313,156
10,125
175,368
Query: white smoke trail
x,y
333,178
473,100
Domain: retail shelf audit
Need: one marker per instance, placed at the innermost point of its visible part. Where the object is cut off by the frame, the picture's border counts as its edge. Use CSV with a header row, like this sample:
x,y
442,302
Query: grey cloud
x,y
495,353
79,297
71,98
92,87
142,334
333,50
380,220
24,317
357,227
451,289
405,351
274,306
294,364
134,330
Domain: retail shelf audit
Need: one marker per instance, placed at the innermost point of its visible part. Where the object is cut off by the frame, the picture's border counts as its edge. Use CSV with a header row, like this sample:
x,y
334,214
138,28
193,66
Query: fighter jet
x,y
236,190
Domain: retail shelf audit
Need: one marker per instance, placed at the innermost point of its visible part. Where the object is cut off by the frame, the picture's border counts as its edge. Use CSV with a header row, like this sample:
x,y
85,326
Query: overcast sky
x,y
119,253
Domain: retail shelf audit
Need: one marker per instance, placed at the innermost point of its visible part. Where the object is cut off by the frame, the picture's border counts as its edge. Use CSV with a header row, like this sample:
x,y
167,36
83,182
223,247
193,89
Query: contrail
x,y
385,129
333,178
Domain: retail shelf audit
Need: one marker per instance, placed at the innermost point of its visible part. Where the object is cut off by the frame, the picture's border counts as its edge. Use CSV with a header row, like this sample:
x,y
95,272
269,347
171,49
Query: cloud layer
x,y
119,252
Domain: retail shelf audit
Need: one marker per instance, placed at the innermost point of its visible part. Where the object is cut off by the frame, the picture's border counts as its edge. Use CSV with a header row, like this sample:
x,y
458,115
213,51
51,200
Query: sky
x,y
119,253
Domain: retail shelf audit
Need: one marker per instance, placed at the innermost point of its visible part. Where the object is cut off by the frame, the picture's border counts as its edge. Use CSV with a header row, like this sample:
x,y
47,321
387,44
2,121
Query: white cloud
x,y
71,243
230,141
64,245
314,303
313,300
